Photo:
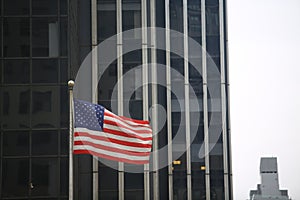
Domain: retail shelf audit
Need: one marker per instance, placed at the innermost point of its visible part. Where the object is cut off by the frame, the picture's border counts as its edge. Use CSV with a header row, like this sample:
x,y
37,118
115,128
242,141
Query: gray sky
x,y
264,47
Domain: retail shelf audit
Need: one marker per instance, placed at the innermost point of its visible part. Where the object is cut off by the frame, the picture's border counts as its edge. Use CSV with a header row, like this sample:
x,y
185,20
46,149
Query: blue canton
x,y
88,115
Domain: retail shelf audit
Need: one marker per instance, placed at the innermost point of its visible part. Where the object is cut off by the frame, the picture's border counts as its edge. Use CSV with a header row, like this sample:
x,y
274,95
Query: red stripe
x,y
125,119
112,149
120,133
106,121
107,139
139,162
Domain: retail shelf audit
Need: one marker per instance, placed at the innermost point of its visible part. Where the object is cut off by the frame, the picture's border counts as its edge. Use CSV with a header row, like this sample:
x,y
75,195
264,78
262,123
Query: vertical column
x,y
94,86
223,100
187,100
120,87
205,100
145,88
169,102
154,100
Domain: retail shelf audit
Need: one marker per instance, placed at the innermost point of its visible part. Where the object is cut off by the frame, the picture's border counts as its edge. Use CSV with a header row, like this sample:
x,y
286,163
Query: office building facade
x,y
43,45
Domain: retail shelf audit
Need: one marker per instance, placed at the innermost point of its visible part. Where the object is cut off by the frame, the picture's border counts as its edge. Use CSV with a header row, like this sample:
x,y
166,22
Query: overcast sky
x,y
264,47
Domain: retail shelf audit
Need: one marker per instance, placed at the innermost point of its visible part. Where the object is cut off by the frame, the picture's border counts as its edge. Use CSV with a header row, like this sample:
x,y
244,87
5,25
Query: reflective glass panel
x,y
16,7
16,143
15,177
44,7
45,71
16,37
44,176
44,143
16,106
45,37
16,71
45,107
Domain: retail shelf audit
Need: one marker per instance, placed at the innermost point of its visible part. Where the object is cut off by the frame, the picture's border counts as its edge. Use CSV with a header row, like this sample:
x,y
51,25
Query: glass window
x,y
15,177
63,36
198,180
45,37
106,12
16,143
179,178
45,106
64,107
16,7
212,20
134,185
44,176
64,70
176,15
63,7
16,106
64,171
64,142
16,71
44,7
44,143
108,184
16,37
213,45
45,71
131,16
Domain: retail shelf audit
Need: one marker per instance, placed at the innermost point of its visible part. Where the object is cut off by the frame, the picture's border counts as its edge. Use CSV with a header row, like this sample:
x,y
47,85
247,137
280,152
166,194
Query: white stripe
x,y
108,135
110,144
129,122
110,153
125,130
118,121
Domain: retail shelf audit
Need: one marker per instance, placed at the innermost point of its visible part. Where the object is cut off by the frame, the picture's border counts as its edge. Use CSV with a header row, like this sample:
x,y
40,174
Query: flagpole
x,y
71,85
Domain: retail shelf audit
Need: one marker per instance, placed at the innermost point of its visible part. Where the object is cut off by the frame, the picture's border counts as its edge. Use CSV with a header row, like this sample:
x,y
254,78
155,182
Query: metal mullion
x,y
223,100
94,88
30,98
205,101
169,102
120,86
187,100
1,158
145,89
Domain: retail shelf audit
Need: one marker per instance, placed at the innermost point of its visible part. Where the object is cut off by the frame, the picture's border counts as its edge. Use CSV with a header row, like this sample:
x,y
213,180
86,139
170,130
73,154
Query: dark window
x,y
44,176
44,143
64,142
64,171
106,12
16,143
108,184
44,7
179,178
45,71
16,71
131,15
64,107
63,7
45,102
15,177
213,45
63,36
16,101
45,37
64,70
16,7
16,37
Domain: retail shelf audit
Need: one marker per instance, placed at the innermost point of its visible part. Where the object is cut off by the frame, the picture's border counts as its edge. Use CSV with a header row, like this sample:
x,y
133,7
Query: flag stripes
x,y
116,138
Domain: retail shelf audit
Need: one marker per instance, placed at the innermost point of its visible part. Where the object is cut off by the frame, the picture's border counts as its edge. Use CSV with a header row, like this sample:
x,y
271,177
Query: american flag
x,y
99,132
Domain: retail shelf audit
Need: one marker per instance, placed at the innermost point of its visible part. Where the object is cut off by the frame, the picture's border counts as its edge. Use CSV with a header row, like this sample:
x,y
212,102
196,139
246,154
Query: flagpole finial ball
x,y
71,83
